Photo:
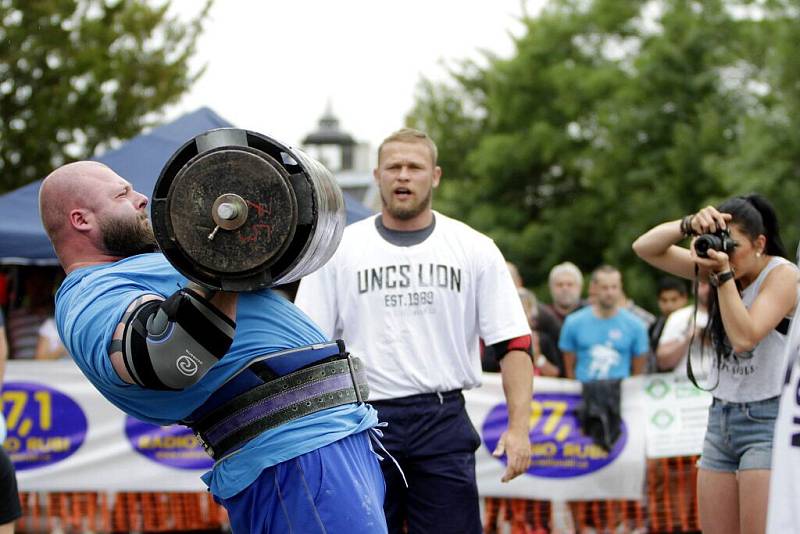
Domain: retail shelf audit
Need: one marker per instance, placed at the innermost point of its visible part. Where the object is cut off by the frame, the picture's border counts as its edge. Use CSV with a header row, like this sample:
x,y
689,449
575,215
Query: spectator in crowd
x,y
542,345
547,357
542,365
603,341
753,294
34,307
419,335
10,509
49,346
515,276
683,335
645,316
672,295
565,283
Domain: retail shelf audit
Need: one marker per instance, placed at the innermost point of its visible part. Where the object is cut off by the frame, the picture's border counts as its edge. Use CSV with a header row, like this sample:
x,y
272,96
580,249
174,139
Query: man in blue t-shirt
x,y
604,341
275,404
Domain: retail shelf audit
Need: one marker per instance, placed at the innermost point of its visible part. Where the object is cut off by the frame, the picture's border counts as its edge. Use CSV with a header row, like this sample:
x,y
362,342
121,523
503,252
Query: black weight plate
x,y
272,210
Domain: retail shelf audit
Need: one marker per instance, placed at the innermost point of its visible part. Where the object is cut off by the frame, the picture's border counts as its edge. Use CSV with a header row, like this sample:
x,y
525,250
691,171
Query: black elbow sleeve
x,y
171,345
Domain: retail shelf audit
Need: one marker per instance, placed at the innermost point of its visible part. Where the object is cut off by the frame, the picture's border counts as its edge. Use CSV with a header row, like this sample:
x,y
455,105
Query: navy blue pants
x,y
336,489
434,442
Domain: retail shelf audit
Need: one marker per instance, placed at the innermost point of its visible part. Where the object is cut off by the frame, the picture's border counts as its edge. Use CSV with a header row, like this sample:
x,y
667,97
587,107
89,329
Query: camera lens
x,y
705,242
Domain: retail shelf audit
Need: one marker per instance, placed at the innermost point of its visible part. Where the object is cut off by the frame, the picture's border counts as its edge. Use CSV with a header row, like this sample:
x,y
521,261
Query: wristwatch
x,y
717,279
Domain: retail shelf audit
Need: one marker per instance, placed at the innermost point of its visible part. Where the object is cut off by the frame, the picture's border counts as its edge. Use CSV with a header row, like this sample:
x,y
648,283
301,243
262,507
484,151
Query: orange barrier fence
x,y
672,494
670,506
77,512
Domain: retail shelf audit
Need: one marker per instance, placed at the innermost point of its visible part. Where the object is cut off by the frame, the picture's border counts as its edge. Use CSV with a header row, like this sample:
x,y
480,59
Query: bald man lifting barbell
x,y
193,334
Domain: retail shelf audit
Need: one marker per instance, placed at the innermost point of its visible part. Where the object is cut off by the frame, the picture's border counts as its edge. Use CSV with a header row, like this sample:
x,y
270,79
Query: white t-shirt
x,y
757,374
415,313
678,325
783,512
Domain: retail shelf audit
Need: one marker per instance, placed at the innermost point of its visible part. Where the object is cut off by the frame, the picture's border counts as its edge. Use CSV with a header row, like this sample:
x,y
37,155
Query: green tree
x,y
611,116
766,156
80,75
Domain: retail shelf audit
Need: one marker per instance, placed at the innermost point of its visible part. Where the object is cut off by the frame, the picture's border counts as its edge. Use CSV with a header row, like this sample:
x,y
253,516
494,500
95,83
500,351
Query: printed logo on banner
x,y
172,446
558,448
45,426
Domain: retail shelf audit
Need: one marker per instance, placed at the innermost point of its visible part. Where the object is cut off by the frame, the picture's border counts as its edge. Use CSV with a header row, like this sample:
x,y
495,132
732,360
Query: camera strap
x,y
689,372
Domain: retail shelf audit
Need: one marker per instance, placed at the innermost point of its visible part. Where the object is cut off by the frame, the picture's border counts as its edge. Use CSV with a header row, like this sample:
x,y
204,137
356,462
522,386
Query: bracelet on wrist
x,y
686,226
717,279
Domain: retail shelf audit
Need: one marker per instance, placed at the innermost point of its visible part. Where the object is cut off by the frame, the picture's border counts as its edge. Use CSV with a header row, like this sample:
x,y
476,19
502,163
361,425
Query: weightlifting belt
x,y
243,408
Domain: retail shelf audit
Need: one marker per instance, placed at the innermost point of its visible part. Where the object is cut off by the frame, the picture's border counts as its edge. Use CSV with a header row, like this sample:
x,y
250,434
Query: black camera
x,y
721,241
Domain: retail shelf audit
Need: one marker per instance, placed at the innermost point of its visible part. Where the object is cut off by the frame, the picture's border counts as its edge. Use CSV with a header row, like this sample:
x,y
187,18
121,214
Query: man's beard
x,y
128,237
407,213
607,304
568,303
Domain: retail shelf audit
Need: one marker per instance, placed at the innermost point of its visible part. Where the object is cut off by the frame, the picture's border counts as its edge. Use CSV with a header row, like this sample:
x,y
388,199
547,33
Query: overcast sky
x,y
273,65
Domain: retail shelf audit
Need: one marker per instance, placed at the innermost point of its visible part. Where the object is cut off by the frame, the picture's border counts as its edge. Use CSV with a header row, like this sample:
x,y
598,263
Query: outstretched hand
x,y
516,446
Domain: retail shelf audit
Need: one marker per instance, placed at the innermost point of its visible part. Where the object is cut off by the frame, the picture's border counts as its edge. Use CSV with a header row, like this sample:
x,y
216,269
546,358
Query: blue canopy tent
x,y
22,238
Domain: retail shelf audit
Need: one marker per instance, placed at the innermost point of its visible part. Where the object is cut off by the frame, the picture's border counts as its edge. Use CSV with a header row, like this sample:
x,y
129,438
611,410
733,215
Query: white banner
x,y
566,465
677,415
63,436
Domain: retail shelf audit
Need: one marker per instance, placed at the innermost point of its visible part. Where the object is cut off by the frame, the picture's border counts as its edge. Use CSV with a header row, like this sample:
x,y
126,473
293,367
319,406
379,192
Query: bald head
x,y
92,214
67,188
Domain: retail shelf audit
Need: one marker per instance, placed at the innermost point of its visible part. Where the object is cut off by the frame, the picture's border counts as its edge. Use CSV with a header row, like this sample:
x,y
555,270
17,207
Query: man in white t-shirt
x,y
682,335
411,291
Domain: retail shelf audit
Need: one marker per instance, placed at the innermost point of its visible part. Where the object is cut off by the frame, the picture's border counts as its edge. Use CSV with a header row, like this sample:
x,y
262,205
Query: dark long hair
x,y
754,216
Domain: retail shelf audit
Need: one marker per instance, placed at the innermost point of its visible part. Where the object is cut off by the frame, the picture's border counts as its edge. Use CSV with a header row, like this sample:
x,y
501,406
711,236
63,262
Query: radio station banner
x,y
565,464
63,436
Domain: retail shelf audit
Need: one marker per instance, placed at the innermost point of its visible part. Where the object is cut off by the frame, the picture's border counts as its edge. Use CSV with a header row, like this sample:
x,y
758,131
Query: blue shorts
x,y
739,435
337,488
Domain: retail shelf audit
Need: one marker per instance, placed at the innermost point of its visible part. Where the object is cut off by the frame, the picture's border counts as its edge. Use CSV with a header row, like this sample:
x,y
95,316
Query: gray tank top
x,y
757,374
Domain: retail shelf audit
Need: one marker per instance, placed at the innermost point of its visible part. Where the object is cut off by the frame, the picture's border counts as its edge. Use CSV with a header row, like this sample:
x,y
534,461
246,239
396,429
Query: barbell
x,y
236,210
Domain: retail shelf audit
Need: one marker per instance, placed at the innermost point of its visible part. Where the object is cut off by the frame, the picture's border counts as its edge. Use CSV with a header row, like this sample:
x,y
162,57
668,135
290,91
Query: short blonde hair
x,y
411,135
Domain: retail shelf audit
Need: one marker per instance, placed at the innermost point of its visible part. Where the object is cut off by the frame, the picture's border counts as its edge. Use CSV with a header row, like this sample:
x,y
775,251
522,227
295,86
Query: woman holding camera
x,y
753,296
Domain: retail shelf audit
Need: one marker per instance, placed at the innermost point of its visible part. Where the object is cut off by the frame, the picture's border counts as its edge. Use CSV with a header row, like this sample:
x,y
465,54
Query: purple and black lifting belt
x,y
335,381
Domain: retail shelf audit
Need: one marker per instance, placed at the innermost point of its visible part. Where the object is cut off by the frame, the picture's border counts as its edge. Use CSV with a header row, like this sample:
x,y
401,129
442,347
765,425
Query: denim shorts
x,y
739,435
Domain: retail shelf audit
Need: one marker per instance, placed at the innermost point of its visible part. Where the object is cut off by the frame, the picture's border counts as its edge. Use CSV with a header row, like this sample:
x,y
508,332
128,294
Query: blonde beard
x,y
409,213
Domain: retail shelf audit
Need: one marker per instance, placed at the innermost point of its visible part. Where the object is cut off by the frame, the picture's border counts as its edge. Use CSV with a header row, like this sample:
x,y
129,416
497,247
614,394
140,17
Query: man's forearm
x,y
517,373
639,365
669,353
